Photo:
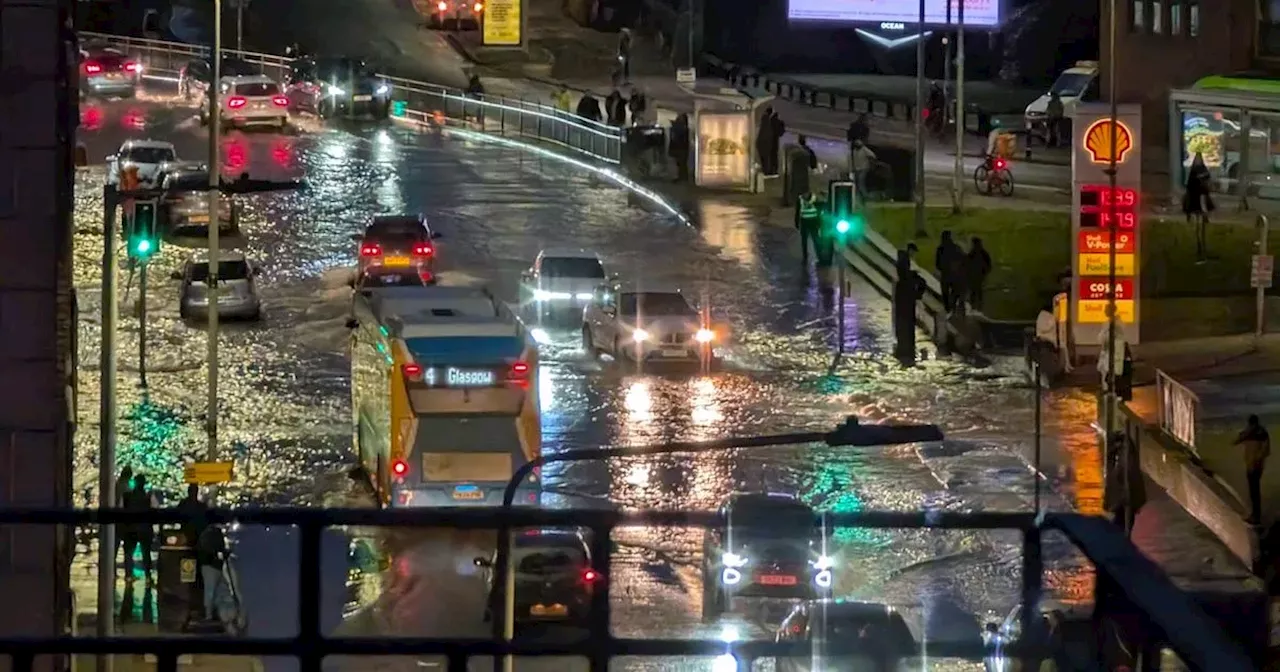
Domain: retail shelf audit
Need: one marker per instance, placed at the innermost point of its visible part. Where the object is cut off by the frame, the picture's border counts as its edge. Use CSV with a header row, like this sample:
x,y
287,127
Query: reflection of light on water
x,y
726,226
639,403
390,198
546,390
638,475
705,404
384,148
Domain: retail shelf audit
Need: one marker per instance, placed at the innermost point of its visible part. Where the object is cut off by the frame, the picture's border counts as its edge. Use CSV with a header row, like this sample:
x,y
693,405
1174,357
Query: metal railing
x,y
1172,616
425,103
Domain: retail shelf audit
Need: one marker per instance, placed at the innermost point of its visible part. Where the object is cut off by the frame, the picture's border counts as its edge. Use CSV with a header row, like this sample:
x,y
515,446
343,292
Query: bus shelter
x,y
1212,119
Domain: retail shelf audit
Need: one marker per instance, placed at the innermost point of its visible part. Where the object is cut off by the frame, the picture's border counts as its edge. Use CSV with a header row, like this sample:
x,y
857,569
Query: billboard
x,y
895,14
501,27
723,157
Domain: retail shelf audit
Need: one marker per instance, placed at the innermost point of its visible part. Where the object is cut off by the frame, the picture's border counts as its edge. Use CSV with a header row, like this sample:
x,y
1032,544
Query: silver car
x,y
238,296
106,71
646,325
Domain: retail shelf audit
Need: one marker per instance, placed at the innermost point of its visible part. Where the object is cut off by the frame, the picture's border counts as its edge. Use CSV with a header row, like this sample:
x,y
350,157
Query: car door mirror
x,y
483,563
176,275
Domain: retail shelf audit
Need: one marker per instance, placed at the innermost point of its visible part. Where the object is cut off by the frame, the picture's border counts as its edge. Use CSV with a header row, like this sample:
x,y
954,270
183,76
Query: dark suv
x,y
106,71
553,576
768,548
333,86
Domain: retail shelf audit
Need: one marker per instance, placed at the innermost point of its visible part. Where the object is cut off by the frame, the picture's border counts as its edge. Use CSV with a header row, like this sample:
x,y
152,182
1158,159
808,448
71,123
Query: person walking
x,y
764,144
858,130
194,508
1055,114
1257,448
561,98
589,108
977,267
678,146
211,552
949,261
638,103
1197,202
624,54
138,535
808,222
801,161
861,161
615,106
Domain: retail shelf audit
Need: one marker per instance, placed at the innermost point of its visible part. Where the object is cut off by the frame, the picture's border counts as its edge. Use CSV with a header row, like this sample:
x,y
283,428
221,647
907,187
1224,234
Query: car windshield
x,y
1071,84
550,561
227,270
771,516
570,267
398,227
392,280
655,303
188,180
341,68
257,89
149,154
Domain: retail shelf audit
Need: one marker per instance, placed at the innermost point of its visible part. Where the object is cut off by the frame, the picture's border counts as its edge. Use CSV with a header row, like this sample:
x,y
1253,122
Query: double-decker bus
x,y
443,396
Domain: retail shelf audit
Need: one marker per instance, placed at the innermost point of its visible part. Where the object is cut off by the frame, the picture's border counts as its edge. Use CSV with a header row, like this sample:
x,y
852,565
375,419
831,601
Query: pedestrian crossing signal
x,y
398,108
842,197
142,230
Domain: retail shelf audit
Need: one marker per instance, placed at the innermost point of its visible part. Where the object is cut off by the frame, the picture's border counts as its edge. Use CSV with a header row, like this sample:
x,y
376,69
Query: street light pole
x,y
215,223
107,425
239,24
957,177
920,112
1110,382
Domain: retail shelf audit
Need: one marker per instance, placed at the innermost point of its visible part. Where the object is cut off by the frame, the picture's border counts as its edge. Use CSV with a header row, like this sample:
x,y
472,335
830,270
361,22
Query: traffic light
x,y
844,214
142,239
398,108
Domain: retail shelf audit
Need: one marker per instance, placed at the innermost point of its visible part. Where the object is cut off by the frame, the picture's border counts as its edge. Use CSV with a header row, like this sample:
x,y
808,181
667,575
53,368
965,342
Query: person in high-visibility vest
x,y
809,222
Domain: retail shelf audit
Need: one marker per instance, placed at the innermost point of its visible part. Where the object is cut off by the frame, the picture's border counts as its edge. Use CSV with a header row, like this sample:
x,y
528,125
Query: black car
x,y
334,86
107,71
767,549
194,77
399,242
873,637
553,576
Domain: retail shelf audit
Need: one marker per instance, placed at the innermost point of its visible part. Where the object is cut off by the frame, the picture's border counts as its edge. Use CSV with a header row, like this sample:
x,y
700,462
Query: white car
x,y
238,296
646,324
562,281
249,100
151,157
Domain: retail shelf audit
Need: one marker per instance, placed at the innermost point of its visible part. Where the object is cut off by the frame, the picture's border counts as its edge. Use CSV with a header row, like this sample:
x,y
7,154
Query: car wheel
x,y
182,310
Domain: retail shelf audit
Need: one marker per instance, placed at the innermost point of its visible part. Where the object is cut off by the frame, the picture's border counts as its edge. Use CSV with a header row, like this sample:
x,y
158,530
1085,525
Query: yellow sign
x,y
187,571
724,154
502,23
1098,139
1095,312
204,473
1098,264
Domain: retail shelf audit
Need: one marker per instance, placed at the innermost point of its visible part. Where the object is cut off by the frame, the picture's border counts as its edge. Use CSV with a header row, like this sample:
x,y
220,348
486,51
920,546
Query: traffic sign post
x,y
1261,272
686,76
208,473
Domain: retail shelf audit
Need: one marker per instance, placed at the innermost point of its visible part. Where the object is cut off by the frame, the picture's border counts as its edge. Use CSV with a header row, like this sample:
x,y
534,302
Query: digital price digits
x,y
1098,196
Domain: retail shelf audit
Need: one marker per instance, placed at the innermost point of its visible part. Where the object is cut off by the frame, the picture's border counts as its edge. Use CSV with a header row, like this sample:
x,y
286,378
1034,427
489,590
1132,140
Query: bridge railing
x,y
424,102
1171,616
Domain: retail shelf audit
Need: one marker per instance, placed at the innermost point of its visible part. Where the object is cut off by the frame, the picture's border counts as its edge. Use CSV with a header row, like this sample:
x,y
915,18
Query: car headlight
x,y
640,335
732,560
583,296
382,90
705,336
333,90
542,295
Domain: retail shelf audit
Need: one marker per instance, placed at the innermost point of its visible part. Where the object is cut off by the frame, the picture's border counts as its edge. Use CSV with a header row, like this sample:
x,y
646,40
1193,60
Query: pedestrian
x,y
624,53
907,290
1196,201
1119,356
615,106
194,509
475,88
935,116
977,267
1054,116
809,222
948,261
678,146
589,108
211,550
561,98
800,162
123,484
777,129
858,130
764,144
138,535
861,161
1257,448
638,105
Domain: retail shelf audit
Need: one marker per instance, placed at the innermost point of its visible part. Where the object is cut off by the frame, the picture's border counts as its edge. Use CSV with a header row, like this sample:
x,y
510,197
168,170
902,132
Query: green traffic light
x,y
842,226
143,246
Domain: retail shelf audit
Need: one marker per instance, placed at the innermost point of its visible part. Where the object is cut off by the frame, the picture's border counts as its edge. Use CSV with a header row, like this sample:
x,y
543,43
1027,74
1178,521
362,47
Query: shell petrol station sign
x,y
1103,218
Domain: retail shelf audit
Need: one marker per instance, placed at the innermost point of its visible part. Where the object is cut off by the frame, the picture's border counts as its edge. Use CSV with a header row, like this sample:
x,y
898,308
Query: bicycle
x,y
993,176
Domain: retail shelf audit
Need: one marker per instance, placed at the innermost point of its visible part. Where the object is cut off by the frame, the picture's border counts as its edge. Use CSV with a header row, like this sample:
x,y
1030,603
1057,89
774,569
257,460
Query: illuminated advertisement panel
x,y
895,13
723,157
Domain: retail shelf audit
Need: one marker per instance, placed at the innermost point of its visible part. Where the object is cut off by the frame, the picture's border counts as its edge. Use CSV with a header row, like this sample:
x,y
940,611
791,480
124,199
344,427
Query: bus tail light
x,y
399,467
412,372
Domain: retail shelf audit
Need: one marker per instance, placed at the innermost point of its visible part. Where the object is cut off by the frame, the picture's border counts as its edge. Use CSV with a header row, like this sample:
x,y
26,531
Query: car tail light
x,y
399,467
236,102
280,101
442,6
590,575
477,7
132,67
423,250
520,370
92,68
412,372
371,250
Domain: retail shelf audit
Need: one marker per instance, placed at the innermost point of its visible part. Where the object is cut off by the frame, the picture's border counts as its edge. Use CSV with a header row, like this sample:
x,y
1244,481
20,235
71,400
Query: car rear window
x,y
550,561
396,228
227,270
257,89
572,268
191,180
234,67
149,154
108,60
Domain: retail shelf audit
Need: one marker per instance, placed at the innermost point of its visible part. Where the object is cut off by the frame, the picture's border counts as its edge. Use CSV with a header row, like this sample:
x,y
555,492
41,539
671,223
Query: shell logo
x,y
1097,140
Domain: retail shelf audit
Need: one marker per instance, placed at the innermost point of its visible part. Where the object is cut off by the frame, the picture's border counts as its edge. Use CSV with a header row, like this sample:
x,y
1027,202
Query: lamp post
x,y
1109,385
920,112
215,200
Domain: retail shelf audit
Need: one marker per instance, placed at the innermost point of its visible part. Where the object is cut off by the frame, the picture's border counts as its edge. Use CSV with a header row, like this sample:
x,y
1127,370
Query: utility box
x,y
178,593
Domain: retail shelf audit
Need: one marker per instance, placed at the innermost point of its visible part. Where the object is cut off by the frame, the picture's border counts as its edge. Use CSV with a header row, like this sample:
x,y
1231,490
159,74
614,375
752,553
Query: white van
x,y
1076,84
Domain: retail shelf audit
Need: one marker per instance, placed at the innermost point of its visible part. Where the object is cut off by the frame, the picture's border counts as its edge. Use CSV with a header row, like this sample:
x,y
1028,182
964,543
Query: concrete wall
x,y
37,324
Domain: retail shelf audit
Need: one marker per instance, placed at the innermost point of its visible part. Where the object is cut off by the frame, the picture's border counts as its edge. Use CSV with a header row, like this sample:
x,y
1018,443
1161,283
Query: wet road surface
x,y
285,406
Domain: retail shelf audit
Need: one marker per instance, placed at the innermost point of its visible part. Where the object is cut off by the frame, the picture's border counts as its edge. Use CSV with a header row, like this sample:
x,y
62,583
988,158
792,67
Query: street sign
x,y
687,76
1261,271
204,473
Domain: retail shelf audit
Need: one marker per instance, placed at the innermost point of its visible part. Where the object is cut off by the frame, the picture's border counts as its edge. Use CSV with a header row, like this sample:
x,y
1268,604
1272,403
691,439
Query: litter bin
x,y
894,176
644,150
178,593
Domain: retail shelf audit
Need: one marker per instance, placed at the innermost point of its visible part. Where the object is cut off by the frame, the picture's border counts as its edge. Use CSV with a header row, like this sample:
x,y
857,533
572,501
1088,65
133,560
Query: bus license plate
x,y
202,218
467,492
776,580
397,261
362,99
